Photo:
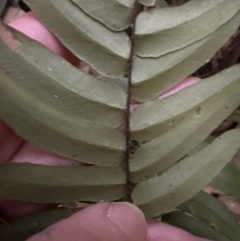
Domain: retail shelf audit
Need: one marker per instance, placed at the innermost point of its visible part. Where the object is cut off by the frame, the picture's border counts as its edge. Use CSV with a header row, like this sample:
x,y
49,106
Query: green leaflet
x,y
85,37
210,210
201,145
235,116
161,4
41,135
159,154
115,14
25,227
155,41
168,62
228,180
60,84
64,109
186,178
150,79
146,122
193,226
121,81
151,22
44,184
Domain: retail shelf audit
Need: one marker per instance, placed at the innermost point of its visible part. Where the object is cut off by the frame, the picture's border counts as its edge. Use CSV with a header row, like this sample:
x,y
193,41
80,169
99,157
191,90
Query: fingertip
x,y
103,221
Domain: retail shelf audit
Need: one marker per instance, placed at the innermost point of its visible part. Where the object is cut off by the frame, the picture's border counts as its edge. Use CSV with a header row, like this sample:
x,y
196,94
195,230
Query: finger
x,y
103,221
158,231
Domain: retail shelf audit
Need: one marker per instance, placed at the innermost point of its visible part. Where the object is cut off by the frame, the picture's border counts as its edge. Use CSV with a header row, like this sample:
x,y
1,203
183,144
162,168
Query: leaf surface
x,y
194,226
153,118
228,180
41,135
86,38
50,96
115,14
207,208
160,153
63,85
162,4
153,40
44,184
25,227
152,76
186,178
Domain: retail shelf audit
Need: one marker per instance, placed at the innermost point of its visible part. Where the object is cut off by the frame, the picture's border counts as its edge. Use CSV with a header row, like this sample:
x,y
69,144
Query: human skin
x,y
103,221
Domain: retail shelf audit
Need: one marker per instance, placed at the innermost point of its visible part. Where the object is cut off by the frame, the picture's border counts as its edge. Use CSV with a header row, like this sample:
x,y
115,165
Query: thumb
x,y
103,221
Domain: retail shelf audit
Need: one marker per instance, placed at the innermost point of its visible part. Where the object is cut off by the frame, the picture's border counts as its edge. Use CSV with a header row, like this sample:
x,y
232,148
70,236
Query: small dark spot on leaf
x,y
198,110
135,143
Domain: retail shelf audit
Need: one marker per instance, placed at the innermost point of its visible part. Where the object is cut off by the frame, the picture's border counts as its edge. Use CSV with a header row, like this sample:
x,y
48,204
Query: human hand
x,y
103,221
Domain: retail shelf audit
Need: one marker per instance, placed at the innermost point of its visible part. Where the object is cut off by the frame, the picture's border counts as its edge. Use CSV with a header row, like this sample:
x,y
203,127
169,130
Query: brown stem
x,y
129,97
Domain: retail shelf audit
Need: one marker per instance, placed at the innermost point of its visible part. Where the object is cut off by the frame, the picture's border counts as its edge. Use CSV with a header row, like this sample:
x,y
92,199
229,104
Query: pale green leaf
x,y
85,37
153,118
168,62
25,227
51,95
186,178
127,3
159,154
235,116
207,208
155,41
115,14
228,180
201,145
159,20
150,79
59,83
47,138
194,226
161,4
44,184
121,81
